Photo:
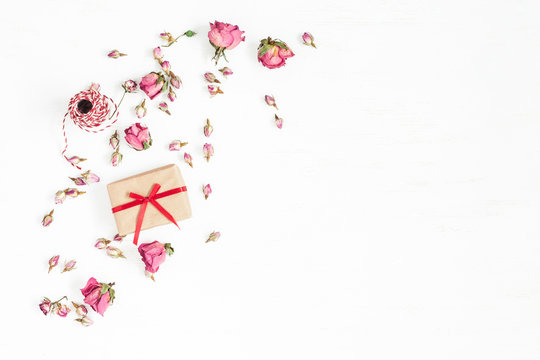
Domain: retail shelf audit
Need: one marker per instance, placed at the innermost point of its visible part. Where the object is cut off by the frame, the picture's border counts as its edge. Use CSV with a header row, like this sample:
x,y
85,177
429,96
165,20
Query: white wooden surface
x,y
395,216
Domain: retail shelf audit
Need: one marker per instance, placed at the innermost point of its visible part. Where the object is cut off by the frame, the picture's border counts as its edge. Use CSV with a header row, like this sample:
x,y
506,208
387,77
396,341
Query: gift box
x,y
153,198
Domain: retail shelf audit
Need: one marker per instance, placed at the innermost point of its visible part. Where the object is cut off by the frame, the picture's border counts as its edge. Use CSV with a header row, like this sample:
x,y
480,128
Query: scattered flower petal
x,y
115,54
207,190
188,159
208,151
214,236
176,145
47,219
53,262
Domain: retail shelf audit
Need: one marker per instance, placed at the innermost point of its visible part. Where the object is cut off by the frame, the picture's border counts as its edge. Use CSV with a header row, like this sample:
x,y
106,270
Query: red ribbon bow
x,y
143,201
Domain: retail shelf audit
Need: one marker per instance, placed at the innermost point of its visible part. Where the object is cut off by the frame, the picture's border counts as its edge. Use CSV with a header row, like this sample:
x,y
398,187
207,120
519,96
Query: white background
x,y
395,215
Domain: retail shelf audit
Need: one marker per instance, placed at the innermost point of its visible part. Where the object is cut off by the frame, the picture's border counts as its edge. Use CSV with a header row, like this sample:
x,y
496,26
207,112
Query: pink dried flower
x,y
119,237
214,90
158,53
278,121
164,107
70,265
208,151
129,86
308,39
167,36
153,84
140,110
176,145
153,255
98,295
115,54
214,236
224,36
53,262
85,321
208,129
138,137
59,197
116,158
79,181
114,141
74,160
207,190
114,252
188,159
211,78
45,306
166,66
102,243
226,71
81,310
175,80
73,193
273,53
47,219
90,178
172,94
62,310
270,100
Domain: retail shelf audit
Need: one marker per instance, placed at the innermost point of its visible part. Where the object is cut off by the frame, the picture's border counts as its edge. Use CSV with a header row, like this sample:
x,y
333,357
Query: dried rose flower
x,y
208,151
166,66
79,181
116,158
140,110
115,54
223,37
81,310
114,141
98,295
114,252
70,265
176,145
59,197
270,100
214,90
164,107
207,190
214,236
45,306
188,159
175,80
308,39
47,219
138,137
211,78
62,310
102,243
74,160
153,84
129,86
73,193
119,237
226,71
279,121
158,53
53,262
172,94
208,129
171,39
90,178
167,36
273,53
85,321
153,255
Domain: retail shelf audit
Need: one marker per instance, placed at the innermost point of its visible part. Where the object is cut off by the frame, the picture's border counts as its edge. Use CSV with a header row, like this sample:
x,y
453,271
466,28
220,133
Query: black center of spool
x,y
84,106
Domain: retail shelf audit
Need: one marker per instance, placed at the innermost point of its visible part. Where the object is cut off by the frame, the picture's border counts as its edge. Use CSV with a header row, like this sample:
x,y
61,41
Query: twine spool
x,y
89,109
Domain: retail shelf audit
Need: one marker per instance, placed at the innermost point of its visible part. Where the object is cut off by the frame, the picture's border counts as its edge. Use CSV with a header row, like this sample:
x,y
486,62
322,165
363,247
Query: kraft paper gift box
x,y
170,182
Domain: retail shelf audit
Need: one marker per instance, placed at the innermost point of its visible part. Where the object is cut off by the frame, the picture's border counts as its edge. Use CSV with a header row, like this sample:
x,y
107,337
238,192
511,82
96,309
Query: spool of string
x,y
89,110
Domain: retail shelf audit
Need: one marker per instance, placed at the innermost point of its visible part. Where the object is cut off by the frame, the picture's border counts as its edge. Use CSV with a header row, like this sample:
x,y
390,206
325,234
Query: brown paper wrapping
x,y
169,177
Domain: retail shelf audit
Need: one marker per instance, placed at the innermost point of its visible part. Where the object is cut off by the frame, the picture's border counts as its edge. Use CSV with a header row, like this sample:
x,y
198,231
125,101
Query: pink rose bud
x,y
74,160
90,178
158,53
53,262
207,190
167,36
47,219
70,265
85,321
152,84
164,107
102,243
119,237
308,39
45,306
98,295
214,90
140,110
270,100
211,78
214,236
73,193
188,159
208,129
226,71
166,66
208,151
172,94
175,80
176,145
81,310
138,137
116,158
129,86
79,181
114,252
279,121
114,141
59,197
62,310
115,54
273,53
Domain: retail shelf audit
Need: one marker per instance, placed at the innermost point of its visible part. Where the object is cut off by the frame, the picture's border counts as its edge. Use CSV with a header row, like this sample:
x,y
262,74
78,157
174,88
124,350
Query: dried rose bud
x,y
214,236
270,100
114,252
74,160
114,141
70,265
188,159
47,219
129,86
211,78
279,121
208,129
172,94
214,90
102,243
59,197
207,190
90,178
158,53
167,36
119,237
140,110
166,66
208,151
85,321
164,107
53,262
79,181
115,54
62,310
71,192
116,158
308,39
81,310
176,145
226,71
45,306
175,80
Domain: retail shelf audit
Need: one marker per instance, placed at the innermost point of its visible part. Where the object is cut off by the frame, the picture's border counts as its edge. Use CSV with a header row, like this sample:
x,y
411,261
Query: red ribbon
x,y
143,201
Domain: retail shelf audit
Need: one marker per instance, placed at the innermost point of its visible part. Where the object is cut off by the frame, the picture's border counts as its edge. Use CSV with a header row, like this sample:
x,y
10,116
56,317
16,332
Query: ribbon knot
x,y
144,200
